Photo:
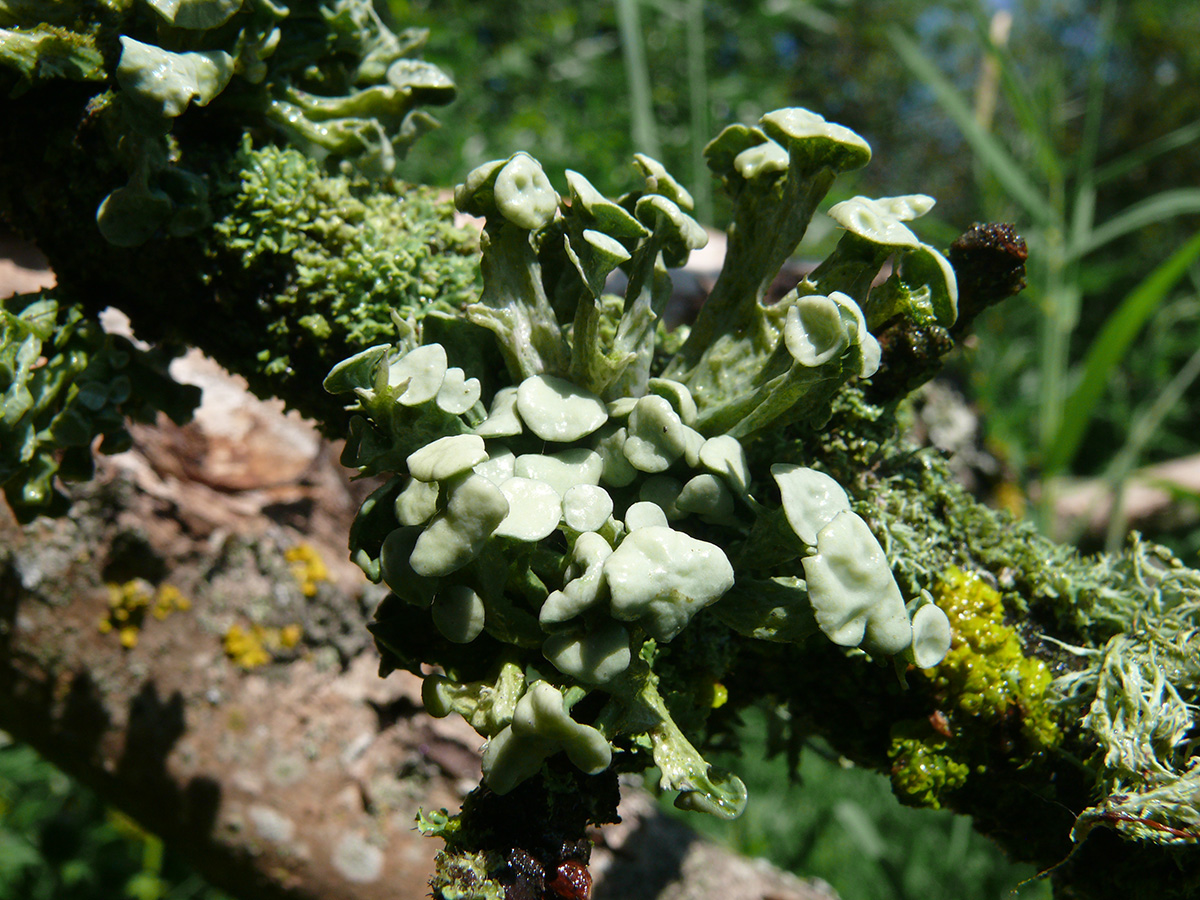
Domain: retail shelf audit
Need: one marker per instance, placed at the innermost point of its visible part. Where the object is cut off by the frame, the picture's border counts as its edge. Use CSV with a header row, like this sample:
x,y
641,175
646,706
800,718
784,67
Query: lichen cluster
x,y
308,568
129,603
986,673
986,678
549,534
257,645
340,250
329,77
923,765
1137,695
176,110
63,383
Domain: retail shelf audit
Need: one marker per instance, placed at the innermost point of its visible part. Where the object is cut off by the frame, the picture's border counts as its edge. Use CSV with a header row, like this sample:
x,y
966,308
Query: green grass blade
x,y
637,69
1094,112
1030,120
1161,206
991,153
1148,152
1109,349
1083,214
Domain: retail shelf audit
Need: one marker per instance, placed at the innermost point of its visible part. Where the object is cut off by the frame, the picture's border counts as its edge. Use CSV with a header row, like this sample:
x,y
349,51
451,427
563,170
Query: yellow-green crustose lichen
x,y
129,603
258,645
922,769
308,568
986,673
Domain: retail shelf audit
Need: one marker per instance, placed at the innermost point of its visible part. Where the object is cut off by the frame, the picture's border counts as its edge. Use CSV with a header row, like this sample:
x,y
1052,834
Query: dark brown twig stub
x,y
989,262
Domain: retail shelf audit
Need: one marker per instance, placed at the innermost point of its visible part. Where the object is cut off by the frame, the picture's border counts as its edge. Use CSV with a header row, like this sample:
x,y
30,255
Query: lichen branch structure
x,y
588,549
224,173
602,539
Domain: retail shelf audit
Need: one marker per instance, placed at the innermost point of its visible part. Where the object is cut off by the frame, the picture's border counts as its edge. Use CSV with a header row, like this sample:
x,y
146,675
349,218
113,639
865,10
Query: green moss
x,y
356,249
986,673
340,254
464,876
923,765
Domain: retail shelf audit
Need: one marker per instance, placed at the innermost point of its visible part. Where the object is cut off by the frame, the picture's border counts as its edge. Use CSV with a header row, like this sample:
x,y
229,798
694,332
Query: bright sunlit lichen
x,y
129,604
986,671
256,645
308,568
588,511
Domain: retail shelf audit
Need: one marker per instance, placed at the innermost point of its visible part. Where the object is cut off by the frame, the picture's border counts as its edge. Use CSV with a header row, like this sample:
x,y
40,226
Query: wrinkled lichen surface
x,y
601,539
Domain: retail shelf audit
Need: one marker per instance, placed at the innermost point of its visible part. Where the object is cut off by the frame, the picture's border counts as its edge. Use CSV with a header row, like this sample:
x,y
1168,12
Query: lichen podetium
x,y
555,538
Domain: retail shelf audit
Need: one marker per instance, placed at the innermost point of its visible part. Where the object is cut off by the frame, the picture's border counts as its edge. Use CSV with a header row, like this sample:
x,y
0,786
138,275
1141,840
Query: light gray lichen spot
x,y
286,769
356,859
271,824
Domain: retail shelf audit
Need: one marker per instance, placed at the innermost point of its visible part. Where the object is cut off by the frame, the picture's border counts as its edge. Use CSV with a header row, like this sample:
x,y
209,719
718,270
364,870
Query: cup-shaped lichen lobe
x,y
523,193
814,333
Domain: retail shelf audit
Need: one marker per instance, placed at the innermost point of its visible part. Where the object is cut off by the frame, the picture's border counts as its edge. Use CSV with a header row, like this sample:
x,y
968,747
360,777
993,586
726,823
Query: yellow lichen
x,y
986,673
129,603
244,646
127,597
308,568
168,600
258,645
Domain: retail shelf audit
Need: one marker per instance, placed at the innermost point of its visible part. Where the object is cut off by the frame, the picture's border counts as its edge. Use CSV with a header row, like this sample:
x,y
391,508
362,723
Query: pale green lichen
x,y
591,510
63,383
1139,694
459,613
854,596
344,252
166,83
38,52
261,58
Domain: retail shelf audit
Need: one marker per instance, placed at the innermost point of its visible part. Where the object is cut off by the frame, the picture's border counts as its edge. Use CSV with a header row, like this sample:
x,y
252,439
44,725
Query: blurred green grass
x,y
58,841
842,824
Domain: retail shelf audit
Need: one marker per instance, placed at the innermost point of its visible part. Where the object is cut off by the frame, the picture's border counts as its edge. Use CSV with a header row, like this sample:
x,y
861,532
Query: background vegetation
x,y
1078,114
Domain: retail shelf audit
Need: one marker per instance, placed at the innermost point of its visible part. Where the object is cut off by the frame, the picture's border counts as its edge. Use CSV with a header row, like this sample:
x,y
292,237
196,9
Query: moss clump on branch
x,y
923,768
340,253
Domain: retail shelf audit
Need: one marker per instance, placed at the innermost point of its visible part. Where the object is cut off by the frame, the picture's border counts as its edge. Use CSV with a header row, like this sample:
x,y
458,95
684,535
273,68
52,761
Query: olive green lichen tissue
x,y
592,511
